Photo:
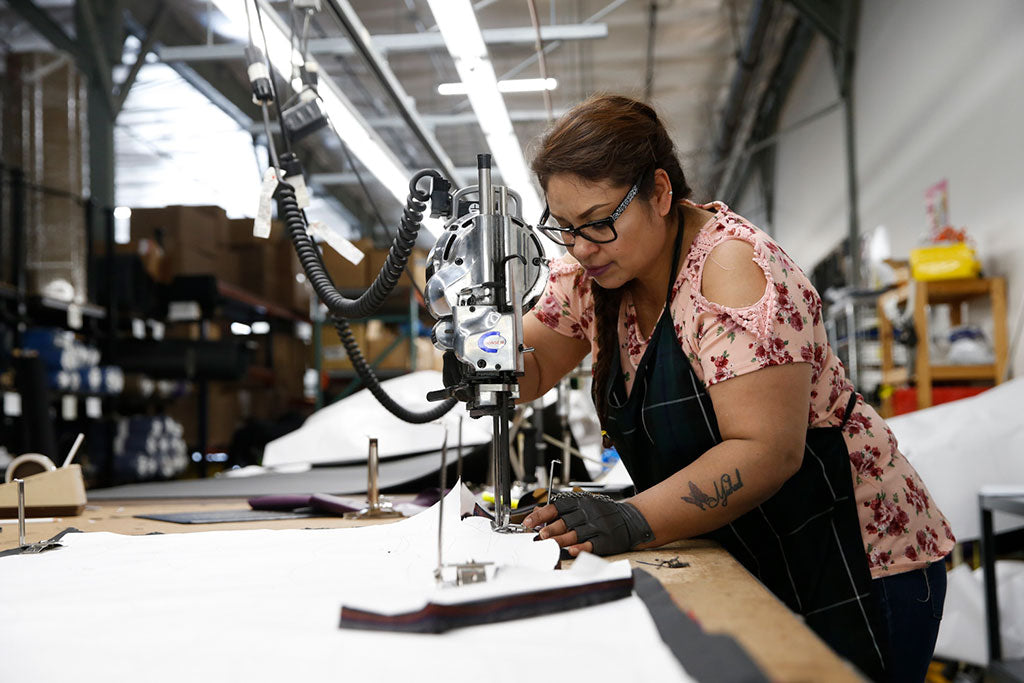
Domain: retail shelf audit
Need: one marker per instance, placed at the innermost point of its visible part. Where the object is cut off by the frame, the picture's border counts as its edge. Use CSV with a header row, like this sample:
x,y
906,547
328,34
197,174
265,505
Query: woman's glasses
x,y
600,231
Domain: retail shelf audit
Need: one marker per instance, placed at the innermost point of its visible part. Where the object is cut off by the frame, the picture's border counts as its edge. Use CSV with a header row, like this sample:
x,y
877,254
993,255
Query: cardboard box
x,y
237,232
334,355
191,237
427,357
385,350
343,272
290,357
224,416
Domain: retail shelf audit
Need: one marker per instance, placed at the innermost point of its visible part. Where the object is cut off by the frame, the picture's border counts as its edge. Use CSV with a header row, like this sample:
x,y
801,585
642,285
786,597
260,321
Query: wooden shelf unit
x,y
928,293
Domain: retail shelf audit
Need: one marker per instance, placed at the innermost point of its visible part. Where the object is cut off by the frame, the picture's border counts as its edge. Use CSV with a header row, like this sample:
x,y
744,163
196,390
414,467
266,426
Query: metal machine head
x,y
485,271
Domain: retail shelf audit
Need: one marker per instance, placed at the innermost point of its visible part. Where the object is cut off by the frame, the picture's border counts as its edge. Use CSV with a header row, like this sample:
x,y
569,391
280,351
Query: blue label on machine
x,y
491,342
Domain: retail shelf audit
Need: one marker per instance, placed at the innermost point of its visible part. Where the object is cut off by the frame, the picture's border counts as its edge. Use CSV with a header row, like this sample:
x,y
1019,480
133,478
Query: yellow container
x,y
944,262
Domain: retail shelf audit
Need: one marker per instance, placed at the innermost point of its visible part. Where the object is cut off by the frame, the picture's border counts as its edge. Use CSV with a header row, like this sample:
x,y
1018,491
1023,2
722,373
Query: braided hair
x,y
609,138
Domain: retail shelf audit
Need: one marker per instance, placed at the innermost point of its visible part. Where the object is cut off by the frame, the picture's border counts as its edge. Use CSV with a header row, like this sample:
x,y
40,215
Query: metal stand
x,y
563,416
29,548
375,508
999,669
464,572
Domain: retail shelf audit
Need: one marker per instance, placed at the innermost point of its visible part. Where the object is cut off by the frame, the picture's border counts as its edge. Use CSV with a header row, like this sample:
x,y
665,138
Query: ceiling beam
x,y
825,16
42,22
438,120
387,43
381,70
464,174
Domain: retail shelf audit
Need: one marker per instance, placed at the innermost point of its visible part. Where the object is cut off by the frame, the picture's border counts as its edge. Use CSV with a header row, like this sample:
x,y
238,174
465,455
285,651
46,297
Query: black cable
x,y
369,377
376,210
273,79
342,308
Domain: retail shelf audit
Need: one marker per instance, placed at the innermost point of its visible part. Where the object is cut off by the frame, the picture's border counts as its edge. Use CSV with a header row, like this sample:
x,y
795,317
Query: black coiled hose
x,y
371,300
373,384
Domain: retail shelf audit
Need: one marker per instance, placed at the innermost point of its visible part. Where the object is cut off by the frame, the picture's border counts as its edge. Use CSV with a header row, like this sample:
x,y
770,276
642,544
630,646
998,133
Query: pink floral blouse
x,y
902,528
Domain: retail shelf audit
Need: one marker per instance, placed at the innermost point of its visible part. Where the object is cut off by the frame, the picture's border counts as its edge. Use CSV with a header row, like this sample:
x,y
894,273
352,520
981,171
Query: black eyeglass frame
x,y
601,222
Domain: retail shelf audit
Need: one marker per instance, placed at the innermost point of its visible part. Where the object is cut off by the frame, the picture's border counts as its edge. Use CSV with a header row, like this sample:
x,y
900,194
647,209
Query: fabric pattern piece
x,y
901,527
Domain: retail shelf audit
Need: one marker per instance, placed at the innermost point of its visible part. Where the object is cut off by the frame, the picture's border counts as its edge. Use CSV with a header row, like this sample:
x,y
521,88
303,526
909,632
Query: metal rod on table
x,y
458,467
21,512
440,503
551,479
566,454
372,490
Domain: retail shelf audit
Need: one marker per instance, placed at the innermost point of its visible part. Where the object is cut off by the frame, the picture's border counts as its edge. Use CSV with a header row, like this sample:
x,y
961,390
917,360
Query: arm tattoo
x,y
724,488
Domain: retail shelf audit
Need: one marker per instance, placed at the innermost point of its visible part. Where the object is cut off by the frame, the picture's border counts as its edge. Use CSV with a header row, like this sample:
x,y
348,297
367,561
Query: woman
x,y
715,381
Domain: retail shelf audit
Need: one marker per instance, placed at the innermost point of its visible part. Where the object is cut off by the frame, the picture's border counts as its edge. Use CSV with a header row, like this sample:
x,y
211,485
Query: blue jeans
x,y
910,605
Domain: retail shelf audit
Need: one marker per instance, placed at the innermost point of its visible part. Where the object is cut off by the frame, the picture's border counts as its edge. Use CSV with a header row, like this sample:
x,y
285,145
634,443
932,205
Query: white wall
x,y
939,89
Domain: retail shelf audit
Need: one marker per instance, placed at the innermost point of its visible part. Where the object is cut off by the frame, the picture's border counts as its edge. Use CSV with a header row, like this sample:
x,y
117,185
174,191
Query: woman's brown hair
x,y
609,138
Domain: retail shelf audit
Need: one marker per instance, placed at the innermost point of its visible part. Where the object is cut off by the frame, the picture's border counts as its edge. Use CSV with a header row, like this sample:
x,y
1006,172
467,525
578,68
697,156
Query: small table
x,y
989,500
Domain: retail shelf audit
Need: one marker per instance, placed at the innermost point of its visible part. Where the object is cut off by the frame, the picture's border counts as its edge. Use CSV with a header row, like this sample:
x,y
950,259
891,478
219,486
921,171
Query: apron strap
x,y
850,404
676,248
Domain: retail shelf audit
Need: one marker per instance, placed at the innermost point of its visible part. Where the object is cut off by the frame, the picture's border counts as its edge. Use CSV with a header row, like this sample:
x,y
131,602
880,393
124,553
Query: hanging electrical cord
x,y
341,309
376,211
273,79
369,302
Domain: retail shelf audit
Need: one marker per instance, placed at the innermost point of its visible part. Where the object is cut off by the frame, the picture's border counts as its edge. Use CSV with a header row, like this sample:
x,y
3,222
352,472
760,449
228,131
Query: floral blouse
x,y
901,526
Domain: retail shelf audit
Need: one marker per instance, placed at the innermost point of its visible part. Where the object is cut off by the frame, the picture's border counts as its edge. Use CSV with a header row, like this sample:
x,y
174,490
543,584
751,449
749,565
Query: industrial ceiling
x,y
708,66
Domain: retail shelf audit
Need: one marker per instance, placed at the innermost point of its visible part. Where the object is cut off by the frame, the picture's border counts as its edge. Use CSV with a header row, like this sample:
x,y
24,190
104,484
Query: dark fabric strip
x,y
709,658
441,618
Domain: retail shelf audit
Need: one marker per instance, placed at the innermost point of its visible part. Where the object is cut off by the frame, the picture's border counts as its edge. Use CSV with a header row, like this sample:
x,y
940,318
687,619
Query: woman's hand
x,y
556,529
598,524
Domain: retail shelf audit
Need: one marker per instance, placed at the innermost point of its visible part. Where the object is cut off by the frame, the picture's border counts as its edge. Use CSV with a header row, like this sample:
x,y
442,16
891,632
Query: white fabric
x,y
339,433
962,633
961,446
265,606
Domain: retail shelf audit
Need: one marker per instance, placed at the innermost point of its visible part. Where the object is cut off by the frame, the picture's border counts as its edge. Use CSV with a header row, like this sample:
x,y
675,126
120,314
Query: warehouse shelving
x,y
925,372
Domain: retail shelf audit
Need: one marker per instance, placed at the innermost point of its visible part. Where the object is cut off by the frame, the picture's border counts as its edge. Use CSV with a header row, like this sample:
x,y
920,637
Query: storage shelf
x,y
930,293
963,373
236,293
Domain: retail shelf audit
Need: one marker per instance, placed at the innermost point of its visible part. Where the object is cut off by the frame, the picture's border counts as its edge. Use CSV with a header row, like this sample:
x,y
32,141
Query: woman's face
x,y
642,233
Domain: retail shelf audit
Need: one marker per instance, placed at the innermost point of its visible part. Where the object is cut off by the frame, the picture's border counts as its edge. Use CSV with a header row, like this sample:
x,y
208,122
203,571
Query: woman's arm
x,y
553,356
762,417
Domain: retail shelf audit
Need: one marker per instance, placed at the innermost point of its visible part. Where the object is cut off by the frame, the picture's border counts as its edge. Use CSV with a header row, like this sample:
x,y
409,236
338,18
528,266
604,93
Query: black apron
x,y
804,543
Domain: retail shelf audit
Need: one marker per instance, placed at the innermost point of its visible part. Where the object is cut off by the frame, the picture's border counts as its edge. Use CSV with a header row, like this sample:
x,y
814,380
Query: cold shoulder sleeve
x,y
777,329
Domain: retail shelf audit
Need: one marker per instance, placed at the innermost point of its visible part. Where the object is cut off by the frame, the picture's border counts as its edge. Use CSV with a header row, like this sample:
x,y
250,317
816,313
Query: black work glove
x,y
611,527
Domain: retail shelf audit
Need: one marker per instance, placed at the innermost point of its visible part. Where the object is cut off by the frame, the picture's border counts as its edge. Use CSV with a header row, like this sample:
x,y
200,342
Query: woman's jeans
x,y
911,607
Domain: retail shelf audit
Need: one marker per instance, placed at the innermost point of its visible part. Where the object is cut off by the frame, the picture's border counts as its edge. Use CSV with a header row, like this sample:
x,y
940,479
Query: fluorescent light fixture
x,y
344,118
461,32
260,327
511,85
240,328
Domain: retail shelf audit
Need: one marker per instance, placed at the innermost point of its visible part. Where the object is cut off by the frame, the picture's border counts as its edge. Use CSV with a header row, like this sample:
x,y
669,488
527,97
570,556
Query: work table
x,y
714,588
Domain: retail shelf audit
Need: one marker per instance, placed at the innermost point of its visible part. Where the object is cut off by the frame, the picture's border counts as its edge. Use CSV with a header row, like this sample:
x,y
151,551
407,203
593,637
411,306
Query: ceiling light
x,y
511,85
461,32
